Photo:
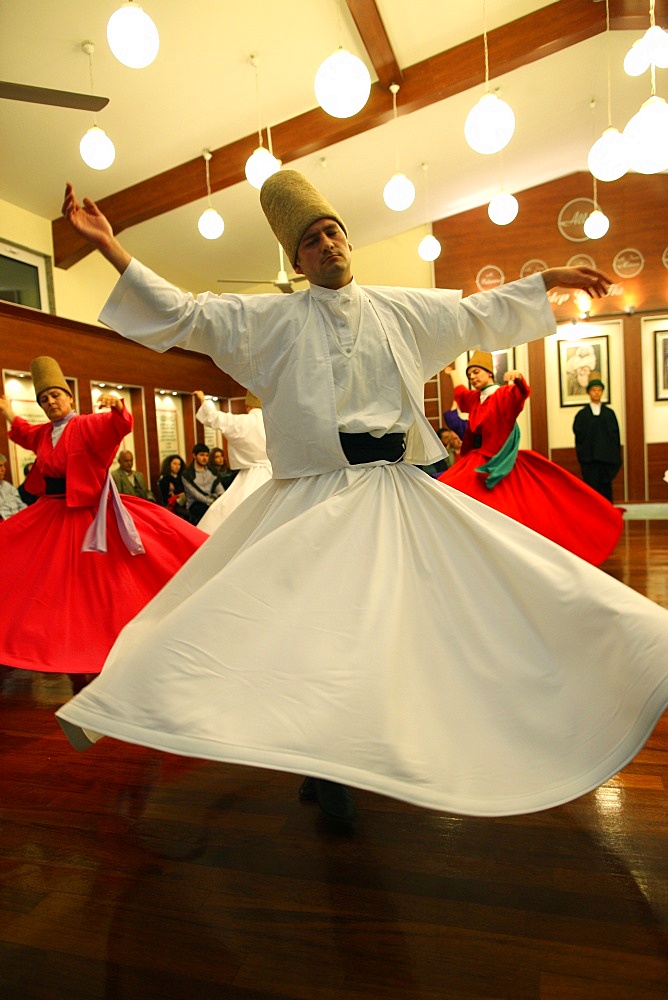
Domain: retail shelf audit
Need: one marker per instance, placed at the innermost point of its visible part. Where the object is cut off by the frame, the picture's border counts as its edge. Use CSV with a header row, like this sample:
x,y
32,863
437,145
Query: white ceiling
x,y
201,92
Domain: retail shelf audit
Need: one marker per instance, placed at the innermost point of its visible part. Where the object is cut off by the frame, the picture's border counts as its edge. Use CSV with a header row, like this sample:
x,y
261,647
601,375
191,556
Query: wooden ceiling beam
x,y
372,31
528,39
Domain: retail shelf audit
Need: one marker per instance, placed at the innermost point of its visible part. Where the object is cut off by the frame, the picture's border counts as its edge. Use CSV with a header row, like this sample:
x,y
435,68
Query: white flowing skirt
x,y
244,483
377,628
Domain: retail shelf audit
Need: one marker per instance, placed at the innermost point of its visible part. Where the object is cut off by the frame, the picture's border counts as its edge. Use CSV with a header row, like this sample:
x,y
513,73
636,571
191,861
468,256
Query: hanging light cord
x,y
253,60
206,153
394,87
607,38
89,48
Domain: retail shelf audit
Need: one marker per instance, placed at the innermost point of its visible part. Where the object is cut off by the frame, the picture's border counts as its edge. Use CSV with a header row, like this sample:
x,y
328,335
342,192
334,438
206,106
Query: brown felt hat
x,y
481,359
291,204
252,402
595,379
46,374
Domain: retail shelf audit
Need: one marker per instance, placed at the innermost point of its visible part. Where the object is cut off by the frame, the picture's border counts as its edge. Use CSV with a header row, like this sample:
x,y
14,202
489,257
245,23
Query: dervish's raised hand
x,y
6,408
87,219
113,402
594,283
199,396
94,227
510,376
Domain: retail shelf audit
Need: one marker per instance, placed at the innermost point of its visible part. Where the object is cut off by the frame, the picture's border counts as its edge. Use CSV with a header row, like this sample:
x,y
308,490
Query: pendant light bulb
x,y
133,37
503,208
596,225
210,224
647,137
399,193
96,148
636,60
342,85
655,42
609,157
429,248
489,125
260,165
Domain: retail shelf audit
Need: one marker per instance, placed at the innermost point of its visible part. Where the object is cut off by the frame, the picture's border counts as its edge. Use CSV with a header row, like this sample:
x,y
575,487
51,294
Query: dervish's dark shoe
x,y
336,801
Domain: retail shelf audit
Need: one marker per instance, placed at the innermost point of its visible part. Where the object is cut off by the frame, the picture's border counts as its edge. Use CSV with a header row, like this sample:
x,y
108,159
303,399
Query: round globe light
x,y
429,248
637,59
647,137
655,42
503,208
133,37
489,125
260,165
596,225
97,149
399,193
211,224
342,85
609,157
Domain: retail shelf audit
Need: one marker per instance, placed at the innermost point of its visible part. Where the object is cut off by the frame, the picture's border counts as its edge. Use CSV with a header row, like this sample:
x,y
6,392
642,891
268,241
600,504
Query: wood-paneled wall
x,y
91,353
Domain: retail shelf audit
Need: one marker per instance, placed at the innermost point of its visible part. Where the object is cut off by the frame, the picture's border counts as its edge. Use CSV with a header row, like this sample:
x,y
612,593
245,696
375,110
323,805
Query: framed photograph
x,y
661,363
577,360
504,361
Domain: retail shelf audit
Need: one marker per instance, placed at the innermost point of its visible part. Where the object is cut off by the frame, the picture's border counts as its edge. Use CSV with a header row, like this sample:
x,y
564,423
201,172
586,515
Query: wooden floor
x,y
126,873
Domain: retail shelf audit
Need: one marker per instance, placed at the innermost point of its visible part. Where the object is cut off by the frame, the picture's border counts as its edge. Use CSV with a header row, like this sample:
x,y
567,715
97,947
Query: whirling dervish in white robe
x,y
332,582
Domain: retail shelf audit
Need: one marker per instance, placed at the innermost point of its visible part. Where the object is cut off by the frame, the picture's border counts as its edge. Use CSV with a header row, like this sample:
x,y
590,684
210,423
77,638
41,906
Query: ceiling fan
x,y
281,281
56,98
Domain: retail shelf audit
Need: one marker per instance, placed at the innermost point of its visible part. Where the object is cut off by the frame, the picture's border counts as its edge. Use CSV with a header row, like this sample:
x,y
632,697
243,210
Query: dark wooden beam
x,y
519,43
372,31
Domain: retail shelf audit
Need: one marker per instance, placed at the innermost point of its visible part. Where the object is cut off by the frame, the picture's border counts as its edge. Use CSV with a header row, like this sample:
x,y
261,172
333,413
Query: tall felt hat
x,y
481,359
46,374
595,379
252,402
291,204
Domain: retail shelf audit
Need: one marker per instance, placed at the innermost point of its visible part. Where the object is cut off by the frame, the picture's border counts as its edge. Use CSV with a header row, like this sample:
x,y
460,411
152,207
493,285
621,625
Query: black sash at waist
x,y
55,487
362,448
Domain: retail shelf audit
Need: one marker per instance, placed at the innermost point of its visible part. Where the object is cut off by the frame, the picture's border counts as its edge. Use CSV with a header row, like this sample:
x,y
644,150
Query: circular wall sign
x,y
488,277
572,218
664,258
532,266
628,263
582,260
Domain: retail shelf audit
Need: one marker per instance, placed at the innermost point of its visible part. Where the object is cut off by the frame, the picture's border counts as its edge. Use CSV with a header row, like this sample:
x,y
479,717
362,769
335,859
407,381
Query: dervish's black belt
x,y
362,448
55,487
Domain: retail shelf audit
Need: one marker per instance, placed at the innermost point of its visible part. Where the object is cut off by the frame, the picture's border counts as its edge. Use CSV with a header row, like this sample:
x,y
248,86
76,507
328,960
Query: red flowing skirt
x,y
543,496
63,608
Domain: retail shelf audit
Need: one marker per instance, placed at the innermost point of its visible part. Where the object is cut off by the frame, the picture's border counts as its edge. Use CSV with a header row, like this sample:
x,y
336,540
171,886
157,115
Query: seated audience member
x,y
170,486
129,480
27,497
10,498
218,464
202,486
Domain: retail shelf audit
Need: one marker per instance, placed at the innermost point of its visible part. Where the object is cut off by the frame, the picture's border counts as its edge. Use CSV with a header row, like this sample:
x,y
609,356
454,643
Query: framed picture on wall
x,y
577,360
504,361
661,363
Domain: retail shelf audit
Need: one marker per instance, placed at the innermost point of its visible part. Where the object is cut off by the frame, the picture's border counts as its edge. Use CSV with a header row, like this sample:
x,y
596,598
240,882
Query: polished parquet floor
x,y
130,875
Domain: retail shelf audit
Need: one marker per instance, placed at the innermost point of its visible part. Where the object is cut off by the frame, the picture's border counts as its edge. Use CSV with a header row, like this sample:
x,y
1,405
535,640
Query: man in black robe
x,y
597,441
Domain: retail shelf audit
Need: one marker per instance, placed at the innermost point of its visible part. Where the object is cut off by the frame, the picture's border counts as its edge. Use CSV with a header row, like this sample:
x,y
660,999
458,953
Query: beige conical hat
x,y
46,374
291,204
252,402
481,359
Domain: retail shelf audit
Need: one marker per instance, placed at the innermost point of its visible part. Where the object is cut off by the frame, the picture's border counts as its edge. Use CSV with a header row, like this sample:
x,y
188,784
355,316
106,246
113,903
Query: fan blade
x,y
56,98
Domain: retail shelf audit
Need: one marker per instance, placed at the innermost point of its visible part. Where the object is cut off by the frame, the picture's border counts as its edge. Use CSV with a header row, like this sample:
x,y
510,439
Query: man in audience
x,y
10,499
129,480
201,484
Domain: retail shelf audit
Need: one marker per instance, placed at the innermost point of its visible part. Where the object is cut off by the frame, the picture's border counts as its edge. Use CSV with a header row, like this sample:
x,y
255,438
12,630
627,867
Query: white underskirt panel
x,y
377,628
244,483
